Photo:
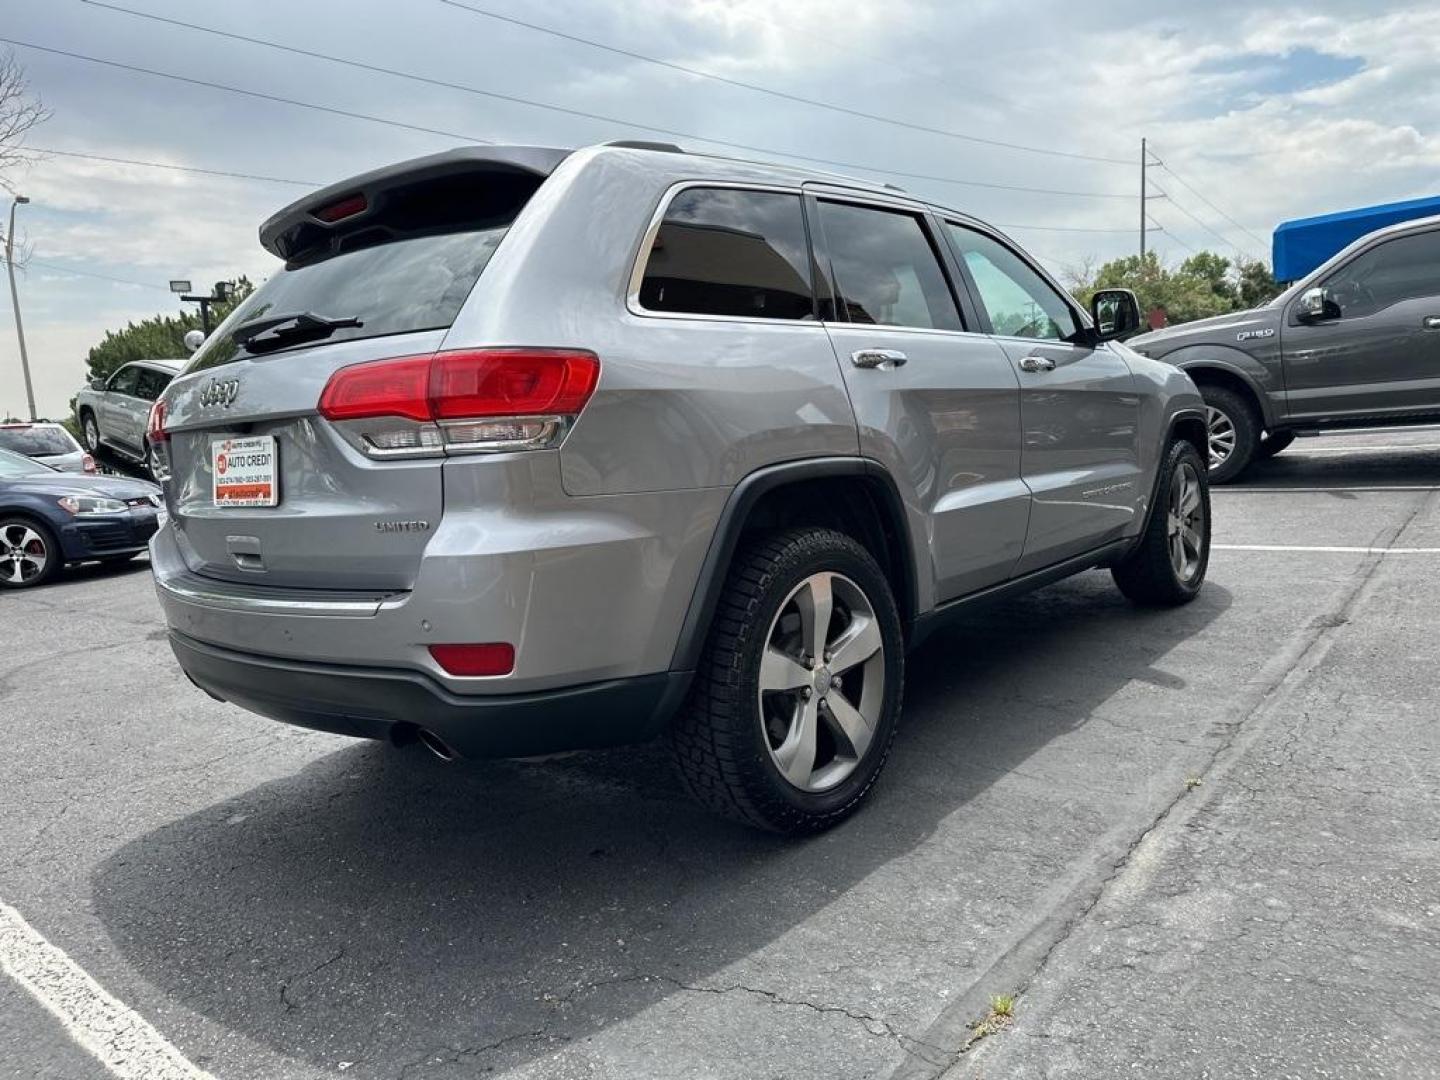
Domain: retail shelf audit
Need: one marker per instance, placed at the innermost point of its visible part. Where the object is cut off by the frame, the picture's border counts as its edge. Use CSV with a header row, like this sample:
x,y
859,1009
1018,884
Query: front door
x,y
936,403
1079,408
115,405
1379,355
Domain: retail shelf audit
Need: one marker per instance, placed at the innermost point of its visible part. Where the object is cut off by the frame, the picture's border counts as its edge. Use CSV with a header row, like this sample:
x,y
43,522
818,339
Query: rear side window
x,y
405,268
1405,268
727,251
151,383
886,269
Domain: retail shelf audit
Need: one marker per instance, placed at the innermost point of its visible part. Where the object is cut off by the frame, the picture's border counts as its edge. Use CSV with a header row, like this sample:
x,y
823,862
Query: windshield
x,y
417,283
37,441
16,465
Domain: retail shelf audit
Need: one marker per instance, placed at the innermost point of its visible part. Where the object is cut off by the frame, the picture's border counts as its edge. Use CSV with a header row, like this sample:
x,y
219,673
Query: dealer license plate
x,y
244,471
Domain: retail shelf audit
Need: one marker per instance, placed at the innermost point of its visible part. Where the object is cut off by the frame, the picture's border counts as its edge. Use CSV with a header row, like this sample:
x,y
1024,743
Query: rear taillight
x,y
468,401
87,463
155,427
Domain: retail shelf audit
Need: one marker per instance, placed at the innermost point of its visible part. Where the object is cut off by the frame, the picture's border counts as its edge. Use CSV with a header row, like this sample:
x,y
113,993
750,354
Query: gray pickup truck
x,y
1354,344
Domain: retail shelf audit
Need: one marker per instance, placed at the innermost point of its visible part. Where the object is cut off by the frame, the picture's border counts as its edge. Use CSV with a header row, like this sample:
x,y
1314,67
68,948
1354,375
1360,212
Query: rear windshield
x,y
37,441
410,284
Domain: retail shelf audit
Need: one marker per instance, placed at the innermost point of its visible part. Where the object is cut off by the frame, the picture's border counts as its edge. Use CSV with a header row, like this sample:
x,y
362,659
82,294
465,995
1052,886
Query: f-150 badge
x,y
1246,335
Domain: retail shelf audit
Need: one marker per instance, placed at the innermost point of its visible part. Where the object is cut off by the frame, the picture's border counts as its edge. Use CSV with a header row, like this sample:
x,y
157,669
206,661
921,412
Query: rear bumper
x,y
380,703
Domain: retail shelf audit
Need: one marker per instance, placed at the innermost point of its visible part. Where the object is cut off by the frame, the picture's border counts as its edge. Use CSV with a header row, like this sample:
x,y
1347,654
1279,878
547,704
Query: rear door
x,y
392,263
1380,355
937,403
1079,409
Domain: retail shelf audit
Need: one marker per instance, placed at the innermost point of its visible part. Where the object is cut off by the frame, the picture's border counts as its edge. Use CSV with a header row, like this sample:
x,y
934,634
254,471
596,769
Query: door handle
x,y
1431,322
1037,363
881,359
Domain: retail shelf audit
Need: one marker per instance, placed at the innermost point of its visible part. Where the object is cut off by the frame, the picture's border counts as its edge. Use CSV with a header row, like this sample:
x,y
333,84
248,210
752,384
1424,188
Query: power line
x,y
1194,191
90,273
1063,228
699,73
164,165
565,110
1224,240
239,90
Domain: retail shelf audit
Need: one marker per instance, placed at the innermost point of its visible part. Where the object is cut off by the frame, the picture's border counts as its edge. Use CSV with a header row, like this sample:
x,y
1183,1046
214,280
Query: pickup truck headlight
x,y
86,505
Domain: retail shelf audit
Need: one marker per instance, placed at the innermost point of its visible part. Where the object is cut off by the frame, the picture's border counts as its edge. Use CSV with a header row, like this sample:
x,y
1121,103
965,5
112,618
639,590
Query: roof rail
x,y
642,144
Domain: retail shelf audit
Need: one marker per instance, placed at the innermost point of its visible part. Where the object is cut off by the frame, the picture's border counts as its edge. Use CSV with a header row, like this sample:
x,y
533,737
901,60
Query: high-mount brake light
x,y
342,209
464,401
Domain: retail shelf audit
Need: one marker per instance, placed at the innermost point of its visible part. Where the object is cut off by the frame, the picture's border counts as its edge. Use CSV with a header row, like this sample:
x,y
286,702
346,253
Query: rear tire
x,y
1168,565
29,553
1233,429
773,735
1271,445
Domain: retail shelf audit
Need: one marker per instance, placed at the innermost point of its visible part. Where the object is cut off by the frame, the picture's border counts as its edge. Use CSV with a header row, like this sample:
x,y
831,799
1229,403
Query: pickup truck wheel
x,y
795,702
90,431
1271,445
1233,432
1168,565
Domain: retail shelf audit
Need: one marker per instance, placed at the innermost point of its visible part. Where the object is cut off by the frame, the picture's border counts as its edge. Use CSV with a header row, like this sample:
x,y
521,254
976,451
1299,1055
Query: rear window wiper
x,y
271,332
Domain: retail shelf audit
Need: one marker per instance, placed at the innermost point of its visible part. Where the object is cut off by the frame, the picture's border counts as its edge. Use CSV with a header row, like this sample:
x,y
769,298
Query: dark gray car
x,y
1355,344
525,450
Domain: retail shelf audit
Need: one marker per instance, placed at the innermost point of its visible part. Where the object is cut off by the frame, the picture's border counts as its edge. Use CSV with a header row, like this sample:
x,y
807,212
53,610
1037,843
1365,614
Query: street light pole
x,y
15,300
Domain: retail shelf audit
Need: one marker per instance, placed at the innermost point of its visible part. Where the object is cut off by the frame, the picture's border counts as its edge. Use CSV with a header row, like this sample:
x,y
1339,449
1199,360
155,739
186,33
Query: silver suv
x,y
113,410
527,450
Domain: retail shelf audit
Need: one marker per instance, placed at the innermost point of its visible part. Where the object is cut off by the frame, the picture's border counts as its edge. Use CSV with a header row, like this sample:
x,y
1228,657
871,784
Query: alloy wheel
x,y
1185,523
822,682
23,553
92,434
1221,432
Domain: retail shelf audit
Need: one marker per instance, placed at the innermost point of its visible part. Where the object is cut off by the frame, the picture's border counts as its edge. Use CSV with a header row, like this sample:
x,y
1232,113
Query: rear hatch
x,y
262,488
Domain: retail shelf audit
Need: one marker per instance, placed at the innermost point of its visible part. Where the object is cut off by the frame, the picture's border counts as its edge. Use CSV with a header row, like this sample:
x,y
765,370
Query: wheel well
x,y
858,506
1192,430
1209,376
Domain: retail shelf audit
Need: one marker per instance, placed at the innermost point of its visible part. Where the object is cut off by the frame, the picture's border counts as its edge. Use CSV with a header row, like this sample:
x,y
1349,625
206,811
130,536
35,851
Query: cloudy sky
x,y
1260,112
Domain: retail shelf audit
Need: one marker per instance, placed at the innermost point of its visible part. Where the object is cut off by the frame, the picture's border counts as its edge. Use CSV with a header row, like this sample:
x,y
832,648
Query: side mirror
x,y
1116,313
194,339
1316,305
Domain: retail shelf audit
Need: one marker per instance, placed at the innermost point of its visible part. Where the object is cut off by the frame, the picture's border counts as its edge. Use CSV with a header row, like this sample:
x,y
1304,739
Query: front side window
x,y
886,270
124,381
727,251
1018,300
1405,268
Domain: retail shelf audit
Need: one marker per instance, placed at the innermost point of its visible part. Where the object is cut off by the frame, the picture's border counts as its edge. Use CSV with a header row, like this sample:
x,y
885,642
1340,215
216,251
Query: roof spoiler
x,y
310,222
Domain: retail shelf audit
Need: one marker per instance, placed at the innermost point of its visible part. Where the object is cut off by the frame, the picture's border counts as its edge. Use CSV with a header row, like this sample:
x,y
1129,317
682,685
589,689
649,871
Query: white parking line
x,y
1360,447
116,1035
1328,549
1227,490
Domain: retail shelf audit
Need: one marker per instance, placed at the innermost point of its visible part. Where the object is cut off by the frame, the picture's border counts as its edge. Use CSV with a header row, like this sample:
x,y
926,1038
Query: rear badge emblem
x,y
219,392
402,526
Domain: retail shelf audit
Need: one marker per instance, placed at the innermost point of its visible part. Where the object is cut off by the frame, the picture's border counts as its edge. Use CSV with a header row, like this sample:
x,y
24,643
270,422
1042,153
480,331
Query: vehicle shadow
x,y
96,571
387,904
1358,468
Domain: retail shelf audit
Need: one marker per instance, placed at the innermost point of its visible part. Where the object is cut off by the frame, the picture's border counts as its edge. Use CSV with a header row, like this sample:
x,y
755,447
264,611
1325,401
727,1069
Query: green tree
x,y
159,337
1203,285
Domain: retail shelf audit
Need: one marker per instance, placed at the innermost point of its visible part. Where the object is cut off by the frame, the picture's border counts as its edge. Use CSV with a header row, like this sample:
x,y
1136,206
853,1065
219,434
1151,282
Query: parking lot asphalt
x,y
1193,843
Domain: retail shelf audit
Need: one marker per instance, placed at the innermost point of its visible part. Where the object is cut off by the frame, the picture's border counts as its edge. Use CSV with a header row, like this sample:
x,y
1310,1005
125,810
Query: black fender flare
x,y
726,538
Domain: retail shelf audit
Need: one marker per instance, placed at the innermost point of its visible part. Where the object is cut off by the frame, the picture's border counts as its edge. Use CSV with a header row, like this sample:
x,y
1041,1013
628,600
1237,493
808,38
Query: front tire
x,y
1271,445
90,432
1168,565
795,703
29,553
1233,431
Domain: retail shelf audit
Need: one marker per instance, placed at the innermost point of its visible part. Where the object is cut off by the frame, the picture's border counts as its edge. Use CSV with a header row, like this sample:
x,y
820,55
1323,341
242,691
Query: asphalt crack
x,y
287,984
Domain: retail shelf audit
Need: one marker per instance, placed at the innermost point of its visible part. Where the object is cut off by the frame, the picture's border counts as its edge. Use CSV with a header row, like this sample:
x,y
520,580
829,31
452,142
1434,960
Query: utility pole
x,y
20,200
1144,163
